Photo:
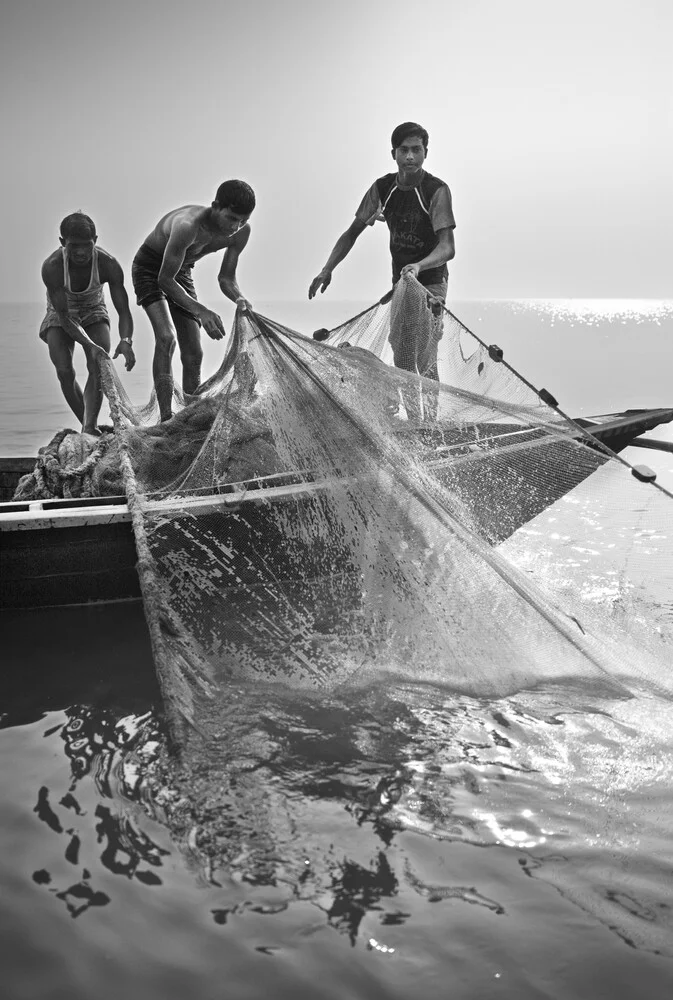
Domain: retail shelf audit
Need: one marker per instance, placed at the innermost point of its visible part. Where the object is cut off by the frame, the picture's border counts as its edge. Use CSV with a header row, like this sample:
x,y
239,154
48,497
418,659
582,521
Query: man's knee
x,y
92,365
66,373
99,333
165,340
404,358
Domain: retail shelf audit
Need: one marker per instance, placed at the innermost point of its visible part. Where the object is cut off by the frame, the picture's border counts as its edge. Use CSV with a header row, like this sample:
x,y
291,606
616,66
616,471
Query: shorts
x,y
145,277
97,314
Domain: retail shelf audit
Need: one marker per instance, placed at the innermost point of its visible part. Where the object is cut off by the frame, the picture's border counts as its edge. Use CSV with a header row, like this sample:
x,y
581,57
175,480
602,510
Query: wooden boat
x,y
74,552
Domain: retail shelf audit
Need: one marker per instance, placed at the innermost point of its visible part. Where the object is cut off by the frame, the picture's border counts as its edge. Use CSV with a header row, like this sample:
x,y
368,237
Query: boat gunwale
x,y
20,515
39,516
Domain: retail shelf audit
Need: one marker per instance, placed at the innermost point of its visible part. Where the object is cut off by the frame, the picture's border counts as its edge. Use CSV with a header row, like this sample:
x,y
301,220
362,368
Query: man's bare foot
x,y
91,430
165,416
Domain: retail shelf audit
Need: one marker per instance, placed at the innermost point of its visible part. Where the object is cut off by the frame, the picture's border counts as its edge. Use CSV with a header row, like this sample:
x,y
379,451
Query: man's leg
x,y
431,396
191,352
404,357
427,360
61,348
93,390
164,346
403,333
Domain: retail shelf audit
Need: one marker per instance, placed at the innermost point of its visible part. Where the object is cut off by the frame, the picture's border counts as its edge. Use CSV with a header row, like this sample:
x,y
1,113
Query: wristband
x,y
125,340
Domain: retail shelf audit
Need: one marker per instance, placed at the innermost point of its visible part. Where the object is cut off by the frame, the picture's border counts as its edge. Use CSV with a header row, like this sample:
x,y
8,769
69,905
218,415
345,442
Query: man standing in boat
x,y
162,280
74,277
418,212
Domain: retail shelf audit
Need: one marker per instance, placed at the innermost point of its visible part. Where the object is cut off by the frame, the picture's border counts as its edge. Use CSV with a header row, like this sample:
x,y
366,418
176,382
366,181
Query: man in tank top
x,y
162,280
418,212
74,276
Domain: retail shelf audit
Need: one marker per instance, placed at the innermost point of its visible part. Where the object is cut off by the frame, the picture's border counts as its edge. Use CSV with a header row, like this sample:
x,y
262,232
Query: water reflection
x,y
94,741
308,801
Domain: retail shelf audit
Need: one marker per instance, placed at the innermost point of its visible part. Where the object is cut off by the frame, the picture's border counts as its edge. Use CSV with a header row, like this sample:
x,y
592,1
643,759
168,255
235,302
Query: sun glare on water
x,y
588,311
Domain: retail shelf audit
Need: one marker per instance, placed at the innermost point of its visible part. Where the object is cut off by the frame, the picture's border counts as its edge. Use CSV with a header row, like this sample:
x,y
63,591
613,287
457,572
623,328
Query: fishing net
x,y
315,516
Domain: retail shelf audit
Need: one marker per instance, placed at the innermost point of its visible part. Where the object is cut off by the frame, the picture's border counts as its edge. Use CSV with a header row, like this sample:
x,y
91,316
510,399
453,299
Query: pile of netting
x,y
316,516
74,465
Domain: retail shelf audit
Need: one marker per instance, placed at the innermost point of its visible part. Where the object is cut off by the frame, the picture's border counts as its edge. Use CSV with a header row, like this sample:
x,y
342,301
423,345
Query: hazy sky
x,y
552,123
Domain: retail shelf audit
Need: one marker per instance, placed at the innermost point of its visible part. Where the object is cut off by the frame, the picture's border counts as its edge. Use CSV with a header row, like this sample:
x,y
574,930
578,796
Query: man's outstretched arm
x,y
342,248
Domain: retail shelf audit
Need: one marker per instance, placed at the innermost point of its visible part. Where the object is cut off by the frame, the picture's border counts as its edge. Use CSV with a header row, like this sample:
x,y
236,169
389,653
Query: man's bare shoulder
x,y
109,268
52,268
181,222
186,214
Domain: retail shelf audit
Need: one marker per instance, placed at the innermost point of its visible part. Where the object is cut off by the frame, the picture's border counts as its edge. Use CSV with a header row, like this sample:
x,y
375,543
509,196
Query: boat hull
x,y
79,564
75,552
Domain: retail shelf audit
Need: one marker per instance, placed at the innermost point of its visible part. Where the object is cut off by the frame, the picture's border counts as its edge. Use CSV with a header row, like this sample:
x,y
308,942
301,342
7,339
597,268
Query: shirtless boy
x,y
74,277
162,279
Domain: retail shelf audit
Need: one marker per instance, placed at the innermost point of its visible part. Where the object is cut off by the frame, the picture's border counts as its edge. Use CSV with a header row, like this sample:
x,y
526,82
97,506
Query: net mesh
x,y
317,516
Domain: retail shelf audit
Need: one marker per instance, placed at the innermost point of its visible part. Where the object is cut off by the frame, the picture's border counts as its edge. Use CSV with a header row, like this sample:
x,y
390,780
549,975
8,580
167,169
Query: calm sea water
x,y
394,842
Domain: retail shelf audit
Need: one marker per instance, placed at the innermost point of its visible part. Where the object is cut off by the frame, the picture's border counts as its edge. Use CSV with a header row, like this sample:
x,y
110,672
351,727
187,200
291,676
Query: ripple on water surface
x,y
377,843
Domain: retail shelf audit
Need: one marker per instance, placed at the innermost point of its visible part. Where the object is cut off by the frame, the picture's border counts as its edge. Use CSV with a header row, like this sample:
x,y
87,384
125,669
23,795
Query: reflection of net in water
x,y
342,518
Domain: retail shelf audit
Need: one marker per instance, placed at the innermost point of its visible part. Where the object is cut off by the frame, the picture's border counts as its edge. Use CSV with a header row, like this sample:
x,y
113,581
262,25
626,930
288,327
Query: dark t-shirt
x,y
414,215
